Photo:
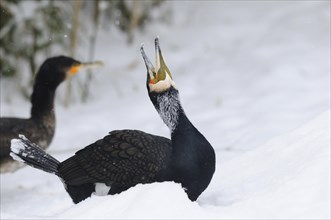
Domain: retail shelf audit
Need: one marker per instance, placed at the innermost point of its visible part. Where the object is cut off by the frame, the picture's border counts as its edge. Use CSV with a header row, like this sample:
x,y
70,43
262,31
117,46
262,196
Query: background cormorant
x,y
40,127
125,158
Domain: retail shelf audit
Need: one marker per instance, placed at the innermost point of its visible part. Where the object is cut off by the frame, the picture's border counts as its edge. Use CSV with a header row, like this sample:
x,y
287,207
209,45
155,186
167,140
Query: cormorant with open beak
x,y
125,158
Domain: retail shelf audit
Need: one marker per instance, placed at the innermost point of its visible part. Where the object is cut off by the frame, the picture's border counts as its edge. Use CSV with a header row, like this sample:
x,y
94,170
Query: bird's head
x,y
162,89
56,69
159,79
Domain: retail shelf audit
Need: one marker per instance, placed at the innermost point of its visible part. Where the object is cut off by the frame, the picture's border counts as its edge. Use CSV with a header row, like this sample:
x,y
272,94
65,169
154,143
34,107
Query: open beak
x,y
79,66
158,74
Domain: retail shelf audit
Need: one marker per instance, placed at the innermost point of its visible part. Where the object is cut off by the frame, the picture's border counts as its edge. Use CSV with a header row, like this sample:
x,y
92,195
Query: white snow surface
x,y
253,77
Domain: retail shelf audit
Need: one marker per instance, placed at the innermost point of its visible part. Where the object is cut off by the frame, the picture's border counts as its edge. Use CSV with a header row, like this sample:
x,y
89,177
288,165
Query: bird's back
x,y
121,159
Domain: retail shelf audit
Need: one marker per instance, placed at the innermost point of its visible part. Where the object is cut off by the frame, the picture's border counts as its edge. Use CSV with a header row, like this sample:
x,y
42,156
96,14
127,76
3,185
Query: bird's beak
x,y
159,73
79,66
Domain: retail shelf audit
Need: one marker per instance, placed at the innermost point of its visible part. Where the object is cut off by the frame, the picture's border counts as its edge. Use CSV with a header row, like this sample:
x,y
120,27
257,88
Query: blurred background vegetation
x,y
55,25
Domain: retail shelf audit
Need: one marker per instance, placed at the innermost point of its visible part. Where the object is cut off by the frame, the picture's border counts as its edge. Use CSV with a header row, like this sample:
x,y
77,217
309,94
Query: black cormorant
x,y
125,158
40,127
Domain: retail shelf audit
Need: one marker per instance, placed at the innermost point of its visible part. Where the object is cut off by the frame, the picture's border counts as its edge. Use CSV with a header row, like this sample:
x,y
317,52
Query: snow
x,y
253,77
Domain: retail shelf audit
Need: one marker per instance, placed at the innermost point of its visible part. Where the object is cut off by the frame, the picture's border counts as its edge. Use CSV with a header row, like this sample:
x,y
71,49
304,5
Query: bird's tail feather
x,y
30,153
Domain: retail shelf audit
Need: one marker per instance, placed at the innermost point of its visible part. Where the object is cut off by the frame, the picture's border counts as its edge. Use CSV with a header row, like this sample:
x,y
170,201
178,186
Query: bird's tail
x,y
30,153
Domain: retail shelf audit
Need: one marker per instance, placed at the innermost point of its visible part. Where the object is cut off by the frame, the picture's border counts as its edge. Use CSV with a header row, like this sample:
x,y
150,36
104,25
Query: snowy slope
x,y
251,76
288,177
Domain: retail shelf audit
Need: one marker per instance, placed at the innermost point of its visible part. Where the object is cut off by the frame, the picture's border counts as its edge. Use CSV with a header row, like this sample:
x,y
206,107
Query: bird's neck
x,y
183,132
173,115
42,101
169,108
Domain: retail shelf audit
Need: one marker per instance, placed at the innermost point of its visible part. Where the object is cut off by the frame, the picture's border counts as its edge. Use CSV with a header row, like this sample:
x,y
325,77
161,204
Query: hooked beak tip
x,y
157,39
142,47
157,44
142,51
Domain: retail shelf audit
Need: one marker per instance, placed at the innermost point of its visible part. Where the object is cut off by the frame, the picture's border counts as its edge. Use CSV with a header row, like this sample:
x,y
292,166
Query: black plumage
x,y
120,160
125,158
40,127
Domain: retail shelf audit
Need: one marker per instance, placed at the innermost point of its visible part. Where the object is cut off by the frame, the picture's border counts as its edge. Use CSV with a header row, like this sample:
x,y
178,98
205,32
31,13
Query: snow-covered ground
x,y
254,78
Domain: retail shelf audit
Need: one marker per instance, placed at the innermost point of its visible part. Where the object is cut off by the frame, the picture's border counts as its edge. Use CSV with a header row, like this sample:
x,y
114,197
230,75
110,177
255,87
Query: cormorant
x,y
40,127
125,158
